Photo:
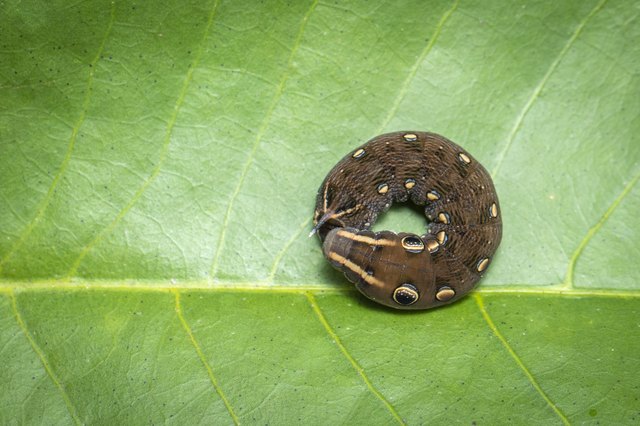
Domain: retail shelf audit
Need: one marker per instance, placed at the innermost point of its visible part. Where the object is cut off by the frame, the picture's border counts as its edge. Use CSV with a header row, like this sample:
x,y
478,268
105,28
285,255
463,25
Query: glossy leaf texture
x,y
158,169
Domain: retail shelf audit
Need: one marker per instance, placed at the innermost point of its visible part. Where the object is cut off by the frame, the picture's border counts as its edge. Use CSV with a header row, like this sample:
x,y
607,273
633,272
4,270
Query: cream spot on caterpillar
x,y
460,205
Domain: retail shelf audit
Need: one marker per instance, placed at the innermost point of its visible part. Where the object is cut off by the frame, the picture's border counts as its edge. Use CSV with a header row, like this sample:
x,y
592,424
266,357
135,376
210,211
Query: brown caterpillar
x,y
409,271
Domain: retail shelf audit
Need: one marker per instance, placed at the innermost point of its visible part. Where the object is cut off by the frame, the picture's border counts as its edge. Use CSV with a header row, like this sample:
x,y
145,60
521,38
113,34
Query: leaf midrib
x,y
160,286
11,290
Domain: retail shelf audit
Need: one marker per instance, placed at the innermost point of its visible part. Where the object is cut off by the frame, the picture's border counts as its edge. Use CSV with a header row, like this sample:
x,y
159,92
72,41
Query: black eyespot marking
x,y
406,294
413,244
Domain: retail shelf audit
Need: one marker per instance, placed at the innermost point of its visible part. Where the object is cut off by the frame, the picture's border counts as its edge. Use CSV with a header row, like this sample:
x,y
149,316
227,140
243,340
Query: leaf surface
x,y
159,164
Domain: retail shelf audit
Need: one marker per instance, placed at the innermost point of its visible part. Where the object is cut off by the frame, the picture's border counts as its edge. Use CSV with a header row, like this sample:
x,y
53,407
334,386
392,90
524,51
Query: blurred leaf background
x,y
159,163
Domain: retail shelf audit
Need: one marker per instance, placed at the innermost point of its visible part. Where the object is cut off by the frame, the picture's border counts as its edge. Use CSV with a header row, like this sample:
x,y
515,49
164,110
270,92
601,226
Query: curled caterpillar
x,y
409,271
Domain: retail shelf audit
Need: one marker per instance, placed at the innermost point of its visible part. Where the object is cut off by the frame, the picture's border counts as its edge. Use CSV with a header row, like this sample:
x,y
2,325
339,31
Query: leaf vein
x,y
43,359
541,84
44,204
285,248
259,135
323,320
414,69
392,112
568,280
257,287
517,359
163,153
203,358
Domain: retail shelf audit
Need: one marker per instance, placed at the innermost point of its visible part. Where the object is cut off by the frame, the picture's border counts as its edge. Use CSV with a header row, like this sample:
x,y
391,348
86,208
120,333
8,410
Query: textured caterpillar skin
x,y
408,271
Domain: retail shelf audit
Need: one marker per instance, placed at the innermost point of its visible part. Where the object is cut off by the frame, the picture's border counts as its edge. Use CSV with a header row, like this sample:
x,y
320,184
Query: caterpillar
x,y
404,270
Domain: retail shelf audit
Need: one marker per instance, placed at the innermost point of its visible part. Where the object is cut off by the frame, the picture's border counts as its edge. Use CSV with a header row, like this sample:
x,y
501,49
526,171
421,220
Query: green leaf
x,y
159,164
